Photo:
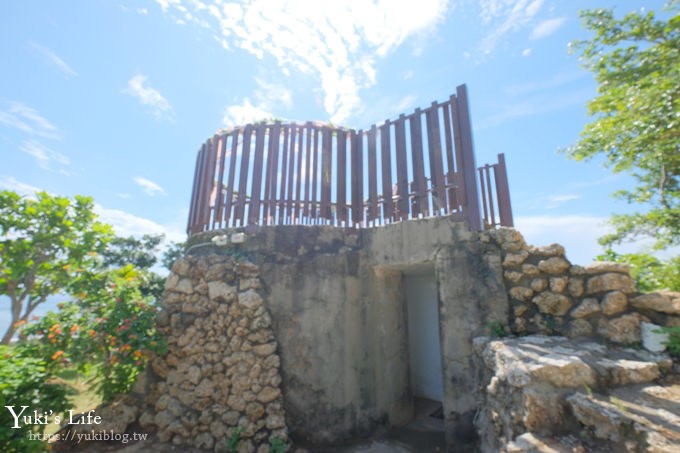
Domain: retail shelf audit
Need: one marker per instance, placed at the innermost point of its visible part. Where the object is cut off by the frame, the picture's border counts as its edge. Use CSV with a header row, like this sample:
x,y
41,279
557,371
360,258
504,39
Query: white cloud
x,y
240,114
505,16
405,103
27,190
126,224
555,201
537,105
149,187
577,233
339,42
142,11
43,155
54,59
139,88
547,28
526,52
26,119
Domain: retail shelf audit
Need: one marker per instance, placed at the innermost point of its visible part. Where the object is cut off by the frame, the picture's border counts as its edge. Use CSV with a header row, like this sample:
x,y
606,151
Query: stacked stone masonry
x,y
220,381
549,295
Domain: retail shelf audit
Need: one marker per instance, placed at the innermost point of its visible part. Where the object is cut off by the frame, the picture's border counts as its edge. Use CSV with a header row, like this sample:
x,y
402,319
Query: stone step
x,y
633,418
534,443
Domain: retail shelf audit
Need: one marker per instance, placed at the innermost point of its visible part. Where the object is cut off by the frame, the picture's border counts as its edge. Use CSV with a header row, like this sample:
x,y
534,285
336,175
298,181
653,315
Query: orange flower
x,y
57,354
74,328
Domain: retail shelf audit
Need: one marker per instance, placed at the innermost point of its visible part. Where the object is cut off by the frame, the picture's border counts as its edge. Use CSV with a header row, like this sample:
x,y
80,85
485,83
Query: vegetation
x,y
106,331
650,273
47,242
25,380
636,125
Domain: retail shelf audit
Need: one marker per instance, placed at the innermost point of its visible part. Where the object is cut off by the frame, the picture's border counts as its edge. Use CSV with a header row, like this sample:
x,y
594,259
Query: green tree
x,y
45,243
109,329
649,272
636,125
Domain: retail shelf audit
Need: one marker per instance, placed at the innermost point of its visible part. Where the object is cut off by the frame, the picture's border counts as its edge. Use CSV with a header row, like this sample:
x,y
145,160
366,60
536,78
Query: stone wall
x,y
220,380
338,311
549,295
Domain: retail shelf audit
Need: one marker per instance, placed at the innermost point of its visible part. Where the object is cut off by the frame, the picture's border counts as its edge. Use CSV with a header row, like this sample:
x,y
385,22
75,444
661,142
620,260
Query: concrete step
x,y
636,418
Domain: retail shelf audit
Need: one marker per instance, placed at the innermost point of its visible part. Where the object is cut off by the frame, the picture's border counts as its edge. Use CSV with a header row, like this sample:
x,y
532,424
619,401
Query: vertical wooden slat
x,y
326,172
503,189
357,176
458,149
308,174
193,209
341,182
294,152
468,161
298,184
239,212
204,204
219,202
435,153
272,173
256,191
485,209
419,201
281,200
314,208
491,203
373,211
386,163
402,170
449,175
230,181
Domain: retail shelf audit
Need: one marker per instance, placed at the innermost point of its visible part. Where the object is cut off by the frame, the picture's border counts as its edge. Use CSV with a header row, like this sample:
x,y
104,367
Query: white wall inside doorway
x,y
423,332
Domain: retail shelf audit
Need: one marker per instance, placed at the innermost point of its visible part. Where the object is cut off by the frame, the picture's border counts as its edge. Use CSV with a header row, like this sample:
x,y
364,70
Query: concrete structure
x,y
340,314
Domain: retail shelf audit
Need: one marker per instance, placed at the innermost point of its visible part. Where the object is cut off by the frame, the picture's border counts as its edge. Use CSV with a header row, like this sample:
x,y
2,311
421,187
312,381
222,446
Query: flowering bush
x,y
26,381
108,329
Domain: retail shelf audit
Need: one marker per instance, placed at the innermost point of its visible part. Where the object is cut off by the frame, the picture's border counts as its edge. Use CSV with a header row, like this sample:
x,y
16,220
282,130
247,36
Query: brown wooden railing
x,y
419,165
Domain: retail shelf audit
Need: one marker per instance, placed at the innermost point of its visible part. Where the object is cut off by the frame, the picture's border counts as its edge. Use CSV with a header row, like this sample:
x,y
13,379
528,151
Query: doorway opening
x,y
425,360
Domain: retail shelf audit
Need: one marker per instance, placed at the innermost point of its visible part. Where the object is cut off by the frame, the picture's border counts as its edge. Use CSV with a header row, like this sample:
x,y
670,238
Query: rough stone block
x,y
552,304
554,265
614,303
664,302
610,282
521,293
587,307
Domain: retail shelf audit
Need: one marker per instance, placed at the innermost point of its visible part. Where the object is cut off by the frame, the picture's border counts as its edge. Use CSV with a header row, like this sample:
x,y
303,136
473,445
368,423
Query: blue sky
x,y
112,99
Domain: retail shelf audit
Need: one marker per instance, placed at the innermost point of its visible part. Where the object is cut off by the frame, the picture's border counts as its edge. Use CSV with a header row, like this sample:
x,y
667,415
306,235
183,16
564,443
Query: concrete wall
x,y
338,309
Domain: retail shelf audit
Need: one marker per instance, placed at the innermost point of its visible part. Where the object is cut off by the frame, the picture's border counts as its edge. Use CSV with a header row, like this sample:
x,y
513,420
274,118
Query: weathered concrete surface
x,y
338,312
633,418
526,383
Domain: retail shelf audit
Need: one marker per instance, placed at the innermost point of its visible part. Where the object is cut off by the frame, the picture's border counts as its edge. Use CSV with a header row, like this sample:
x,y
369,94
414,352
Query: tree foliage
x,y
636,125
108,329
45,243
649,272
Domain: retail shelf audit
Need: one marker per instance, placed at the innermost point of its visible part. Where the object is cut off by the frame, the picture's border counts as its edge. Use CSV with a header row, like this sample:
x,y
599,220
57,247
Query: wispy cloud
x,y
577,233
555,201
53,59
505,16
536,105
246,112
43,155
338,42
138,87
547,28
126,224
26,119
10,183
269,97
150,188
